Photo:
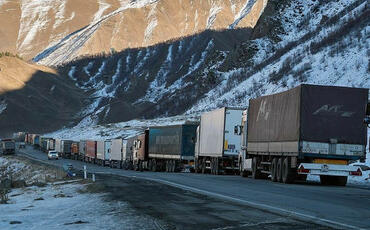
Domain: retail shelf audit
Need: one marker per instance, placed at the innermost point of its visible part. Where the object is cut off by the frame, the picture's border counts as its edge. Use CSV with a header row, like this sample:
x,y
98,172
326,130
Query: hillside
x,y
34,98
252,48
55,32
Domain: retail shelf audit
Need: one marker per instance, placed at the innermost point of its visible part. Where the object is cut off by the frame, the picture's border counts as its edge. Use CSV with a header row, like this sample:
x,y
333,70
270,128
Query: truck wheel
x,y
279,169
217,171
287,174
256,174
274,170
203,163
154,166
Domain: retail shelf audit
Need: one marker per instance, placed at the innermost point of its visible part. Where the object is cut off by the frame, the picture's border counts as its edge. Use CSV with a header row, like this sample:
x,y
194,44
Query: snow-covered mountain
x,y
294,42
184,57
56,31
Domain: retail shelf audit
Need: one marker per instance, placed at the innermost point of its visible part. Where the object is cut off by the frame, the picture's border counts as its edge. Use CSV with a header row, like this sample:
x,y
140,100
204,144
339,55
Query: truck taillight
x,y
303,170
356,173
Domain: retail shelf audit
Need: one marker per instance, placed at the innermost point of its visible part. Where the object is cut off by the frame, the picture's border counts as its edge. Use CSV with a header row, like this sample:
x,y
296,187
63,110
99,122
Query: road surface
x,y
339,207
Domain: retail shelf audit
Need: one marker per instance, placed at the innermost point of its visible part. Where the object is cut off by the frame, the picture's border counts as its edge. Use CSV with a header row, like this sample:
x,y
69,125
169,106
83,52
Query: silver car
x,y
53,155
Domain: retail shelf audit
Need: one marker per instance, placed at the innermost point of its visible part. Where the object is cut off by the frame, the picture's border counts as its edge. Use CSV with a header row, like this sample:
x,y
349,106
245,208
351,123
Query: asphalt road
x,y
340,207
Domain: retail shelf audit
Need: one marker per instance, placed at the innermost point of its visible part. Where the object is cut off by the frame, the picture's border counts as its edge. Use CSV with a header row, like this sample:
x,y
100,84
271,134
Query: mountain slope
x,y
34,98
55,32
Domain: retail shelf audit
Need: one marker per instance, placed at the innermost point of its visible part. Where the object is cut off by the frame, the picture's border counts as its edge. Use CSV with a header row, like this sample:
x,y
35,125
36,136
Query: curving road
x,y
339,207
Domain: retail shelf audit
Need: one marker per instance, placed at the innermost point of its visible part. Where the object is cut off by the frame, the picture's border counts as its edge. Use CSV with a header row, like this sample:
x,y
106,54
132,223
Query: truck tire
x,y
256,174
203,163
154,165
279,167
287,172
274,170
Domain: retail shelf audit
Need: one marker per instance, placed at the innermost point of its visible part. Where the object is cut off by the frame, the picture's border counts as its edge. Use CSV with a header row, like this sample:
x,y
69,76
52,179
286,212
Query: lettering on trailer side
x,y
263,112
333,110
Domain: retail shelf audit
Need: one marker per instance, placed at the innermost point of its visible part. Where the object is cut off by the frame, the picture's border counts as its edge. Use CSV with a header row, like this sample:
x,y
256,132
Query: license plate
x,y
325,168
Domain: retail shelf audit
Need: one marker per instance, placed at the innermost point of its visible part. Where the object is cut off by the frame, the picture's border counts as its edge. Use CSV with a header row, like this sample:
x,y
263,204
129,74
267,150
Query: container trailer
x,y
171,148
107,152
100,153
7,146
75,150
116,153
66,148
90,153
217,145
82,150
36,140
58,145
127,153
140,151
309,129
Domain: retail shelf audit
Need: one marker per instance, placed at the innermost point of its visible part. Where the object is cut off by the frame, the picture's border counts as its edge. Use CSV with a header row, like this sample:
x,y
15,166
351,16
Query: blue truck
x,y
171,148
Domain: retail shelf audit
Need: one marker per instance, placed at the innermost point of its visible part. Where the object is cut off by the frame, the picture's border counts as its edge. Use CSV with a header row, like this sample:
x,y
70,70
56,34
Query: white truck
x,y
217,146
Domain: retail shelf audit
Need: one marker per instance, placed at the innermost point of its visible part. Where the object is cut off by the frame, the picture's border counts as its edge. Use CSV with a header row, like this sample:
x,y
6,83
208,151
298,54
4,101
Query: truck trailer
x,y
90,153
116,153
75,150
100,153
140,151
309,129
127,153
82,150
7,146
171,148
217,146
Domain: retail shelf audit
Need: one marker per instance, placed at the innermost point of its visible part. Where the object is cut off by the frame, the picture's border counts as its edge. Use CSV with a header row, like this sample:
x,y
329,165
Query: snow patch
x,y
3,106
215,9
242,13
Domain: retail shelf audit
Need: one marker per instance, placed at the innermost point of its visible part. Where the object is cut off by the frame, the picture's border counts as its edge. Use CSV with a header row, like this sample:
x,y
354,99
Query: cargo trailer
x,y
90,153
217,148
58,146
100,153
75,150
82,150
127,153
116,153
7,146
36,140
50,145
66,148
309,129
171,148
140,151
44,144
107,152
19,136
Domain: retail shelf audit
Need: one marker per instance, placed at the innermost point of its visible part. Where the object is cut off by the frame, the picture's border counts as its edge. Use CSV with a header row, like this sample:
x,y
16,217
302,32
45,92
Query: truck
x,y
171,148
115,159
66,148
82,150
100,153
7,146
217,146
127,153
140,151
107,152
75,150
90,152
309,129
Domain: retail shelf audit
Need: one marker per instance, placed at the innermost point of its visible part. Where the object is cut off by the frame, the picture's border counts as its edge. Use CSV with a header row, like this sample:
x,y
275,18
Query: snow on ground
x,y
86,130
62,206
215,9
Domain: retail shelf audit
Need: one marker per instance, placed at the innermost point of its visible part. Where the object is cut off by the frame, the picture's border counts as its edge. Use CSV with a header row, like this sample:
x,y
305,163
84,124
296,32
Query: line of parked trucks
x,y
309,129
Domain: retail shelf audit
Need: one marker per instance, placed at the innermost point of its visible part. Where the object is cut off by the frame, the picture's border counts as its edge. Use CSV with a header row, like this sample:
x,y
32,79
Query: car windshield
x,y
53,152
